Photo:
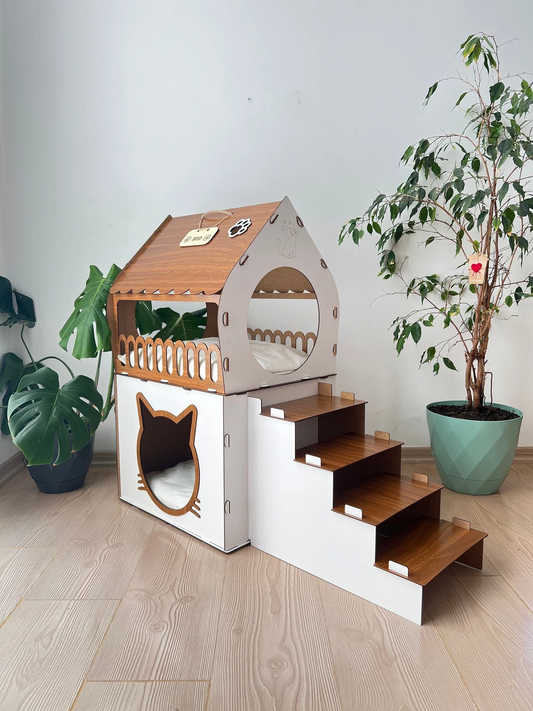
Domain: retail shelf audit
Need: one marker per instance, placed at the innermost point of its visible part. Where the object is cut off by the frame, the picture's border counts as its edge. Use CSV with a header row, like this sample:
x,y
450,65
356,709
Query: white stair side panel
x,y
209,443
236,470
290,518
294,391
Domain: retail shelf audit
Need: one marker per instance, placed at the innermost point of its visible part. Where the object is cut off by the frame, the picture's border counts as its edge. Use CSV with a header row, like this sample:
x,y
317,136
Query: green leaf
x,y
449,364
416,332
436,368
502,192
423,216
407,154
519,189
189,326
505,145
432,89
496,90
89,316
509,300
41,413
461,98
476,164
147,320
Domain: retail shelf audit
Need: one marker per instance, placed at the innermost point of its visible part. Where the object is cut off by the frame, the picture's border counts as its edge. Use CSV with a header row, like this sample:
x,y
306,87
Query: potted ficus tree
x,y
469,190
53,424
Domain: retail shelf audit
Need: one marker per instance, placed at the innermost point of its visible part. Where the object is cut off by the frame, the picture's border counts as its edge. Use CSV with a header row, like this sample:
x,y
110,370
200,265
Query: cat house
x,y
235,436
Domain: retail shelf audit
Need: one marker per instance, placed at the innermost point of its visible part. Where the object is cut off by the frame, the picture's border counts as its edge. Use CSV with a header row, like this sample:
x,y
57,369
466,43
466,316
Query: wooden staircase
x,y
411,541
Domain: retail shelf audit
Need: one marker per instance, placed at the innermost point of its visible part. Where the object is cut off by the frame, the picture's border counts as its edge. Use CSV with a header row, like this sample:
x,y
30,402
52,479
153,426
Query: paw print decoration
x,y
240,227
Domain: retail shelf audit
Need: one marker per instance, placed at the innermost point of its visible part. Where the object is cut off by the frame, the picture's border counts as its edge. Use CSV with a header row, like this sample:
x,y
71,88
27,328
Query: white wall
x,y
118,112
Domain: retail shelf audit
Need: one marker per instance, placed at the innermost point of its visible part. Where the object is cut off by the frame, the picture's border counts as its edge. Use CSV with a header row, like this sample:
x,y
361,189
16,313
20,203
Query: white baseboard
x,y
11,467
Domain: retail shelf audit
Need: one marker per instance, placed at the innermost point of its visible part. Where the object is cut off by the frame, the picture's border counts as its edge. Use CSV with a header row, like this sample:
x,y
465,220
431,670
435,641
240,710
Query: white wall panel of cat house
x,y
227,271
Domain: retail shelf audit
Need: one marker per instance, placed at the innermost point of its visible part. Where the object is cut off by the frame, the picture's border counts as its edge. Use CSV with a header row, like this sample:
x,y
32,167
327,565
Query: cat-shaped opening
x,y
167,458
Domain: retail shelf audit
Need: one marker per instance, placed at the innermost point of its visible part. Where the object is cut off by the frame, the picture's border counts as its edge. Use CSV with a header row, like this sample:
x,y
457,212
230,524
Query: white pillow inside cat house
x,y
272,305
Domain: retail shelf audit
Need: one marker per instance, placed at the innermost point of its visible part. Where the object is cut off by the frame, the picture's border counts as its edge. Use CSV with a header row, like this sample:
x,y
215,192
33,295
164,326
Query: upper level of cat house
x,y
264,304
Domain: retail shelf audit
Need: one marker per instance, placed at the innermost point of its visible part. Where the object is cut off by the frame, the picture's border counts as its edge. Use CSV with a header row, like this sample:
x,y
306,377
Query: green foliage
x,y
88,320
41,413
472,191
11,372
186,327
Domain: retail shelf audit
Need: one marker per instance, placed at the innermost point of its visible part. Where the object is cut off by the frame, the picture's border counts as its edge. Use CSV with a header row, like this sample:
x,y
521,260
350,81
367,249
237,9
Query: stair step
x,y
428,546
383,495
307,407
339,452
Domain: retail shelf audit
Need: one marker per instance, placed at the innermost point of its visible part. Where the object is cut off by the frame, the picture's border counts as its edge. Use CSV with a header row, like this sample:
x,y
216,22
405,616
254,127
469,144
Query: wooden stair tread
x,y
426,547
339,452
307,407
384,495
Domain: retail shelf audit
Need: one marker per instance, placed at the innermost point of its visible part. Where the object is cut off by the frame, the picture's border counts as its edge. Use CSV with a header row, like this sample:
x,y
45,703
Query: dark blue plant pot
x,y
68,476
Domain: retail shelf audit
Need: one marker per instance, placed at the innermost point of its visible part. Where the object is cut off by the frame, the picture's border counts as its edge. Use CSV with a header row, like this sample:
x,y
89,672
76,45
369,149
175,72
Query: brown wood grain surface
x,y
47,647
384,495
385,663
313,406
345,449
426,547
271,637
473,652
166,626
143,696
162,265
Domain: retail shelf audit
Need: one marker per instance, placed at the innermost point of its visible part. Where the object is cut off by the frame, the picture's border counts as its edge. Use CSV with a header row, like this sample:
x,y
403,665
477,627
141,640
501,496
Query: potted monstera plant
x,y
470,191
53,424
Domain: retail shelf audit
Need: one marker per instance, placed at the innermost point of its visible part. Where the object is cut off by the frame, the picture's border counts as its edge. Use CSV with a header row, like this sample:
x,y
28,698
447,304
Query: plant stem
x,y
26,346
61,361
109,402
97,374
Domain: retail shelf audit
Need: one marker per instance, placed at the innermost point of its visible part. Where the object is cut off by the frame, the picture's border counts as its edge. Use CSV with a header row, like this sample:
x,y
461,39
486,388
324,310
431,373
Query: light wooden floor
x,y
104,608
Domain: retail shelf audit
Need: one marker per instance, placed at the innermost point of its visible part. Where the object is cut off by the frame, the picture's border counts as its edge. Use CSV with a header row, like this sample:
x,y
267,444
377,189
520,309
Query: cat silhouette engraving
x,y
166,456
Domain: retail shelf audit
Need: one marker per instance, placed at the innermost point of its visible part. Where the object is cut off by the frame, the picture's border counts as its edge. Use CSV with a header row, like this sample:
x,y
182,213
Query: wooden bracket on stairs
x,y
353,511
461,523
382,435
348,396
313,460
277,412
398,568
423,478
325,389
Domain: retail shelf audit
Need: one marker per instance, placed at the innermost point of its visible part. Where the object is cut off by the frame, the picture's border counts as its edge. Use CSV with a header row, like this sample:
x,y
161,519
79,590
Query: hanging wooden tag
x,y
477,264
194,238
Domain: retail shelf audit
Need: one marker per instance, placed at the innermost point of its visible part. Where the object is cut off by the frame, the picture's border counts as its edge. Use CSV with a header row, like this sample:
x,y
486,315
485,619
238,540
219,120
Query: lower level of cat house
x,y
290,470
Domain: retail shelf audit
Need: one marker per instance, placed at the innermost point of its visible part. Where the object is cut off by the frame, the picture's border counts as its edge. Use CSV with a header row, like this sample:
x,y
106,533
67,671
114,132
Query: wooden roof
x,y
161,265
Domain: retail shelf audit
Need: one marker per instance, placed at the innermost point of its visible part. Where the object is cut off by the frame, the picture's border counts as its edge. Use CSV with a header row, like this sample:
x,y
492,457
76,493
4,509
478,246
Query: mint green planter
x,y
473,457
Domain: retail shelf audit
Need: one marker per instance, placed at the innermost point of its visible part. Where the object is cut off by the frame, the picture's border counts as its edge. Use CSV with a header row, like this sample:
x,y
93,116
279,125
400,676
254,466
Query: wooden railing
x,y
184,363
303,341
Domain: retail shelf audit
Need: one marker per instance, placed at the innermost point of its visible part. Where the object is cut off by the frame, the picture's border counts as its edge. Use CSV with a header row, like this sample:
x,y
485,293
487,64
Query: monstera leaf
x,y
25,311
186,327
88,319
41,413
146,319
12,370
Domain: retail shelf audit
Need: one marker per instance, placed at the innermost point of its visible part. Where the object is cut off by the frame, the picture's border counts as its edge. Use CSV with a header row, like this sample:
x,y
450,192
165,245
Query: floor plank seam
x,y
455,666
12,611
79,692
335,676
102,640
208,696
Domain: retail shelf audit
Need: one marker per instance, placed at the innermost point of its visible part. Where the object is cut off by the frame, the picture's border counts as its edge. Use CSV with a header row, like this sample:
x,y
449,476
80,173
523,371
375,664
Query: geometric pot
x,y
472,456
64,477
